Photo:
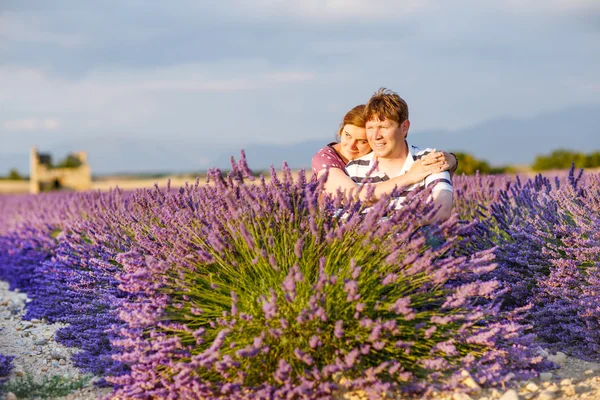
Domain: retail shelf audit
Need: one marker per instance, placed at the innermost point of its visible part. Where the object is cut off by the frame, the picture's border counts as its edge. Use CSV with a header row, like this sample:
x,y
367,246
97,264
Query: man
x,y
387,125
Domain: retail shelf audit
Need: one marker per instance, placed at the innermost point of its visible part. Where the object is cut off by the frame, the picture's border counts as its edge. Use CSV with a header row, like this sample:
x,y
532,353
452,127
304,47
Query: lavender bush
x,y
5,365
547,249
68,276
245,291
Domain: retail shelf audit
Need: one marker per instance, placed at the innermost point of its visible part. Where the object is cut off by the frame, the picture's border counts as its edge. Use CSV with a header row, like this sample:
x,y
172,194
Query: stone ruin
x,y
43,176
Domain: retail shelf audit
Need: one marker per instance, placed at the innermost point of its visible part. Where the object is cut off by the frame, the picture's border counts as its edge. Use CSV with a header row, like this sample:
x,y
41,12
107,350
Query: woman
x,y
352,144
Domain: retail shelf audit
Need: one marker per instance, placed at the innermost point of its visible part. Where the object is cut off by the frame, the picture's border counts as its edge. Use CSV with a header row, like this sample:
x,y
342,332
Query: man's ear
x,y
404,128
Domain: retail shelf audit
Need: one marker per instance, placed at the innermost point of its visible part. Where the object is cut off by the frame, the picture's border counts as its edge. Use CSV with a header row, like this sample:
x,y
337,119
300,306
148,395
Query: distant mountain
x,y
500,141
262,156
517,141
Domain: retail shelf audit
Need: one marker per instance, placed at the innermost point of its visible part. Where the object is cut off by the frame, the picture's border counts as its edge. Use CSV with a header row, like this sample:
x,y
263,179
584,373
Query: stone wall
x,y
43,177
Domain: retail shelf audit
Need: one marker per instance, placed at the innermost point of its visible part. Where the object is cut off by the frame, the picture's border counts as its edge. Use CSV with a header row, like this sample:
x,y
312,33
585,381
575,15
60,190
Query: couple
x,y
375,133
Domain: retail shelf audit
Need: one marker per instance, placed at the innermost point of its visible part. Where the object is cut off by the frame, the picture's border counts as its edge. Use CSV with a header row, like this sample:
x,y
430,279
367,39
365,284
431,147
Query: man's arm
x,y
441,194
444,200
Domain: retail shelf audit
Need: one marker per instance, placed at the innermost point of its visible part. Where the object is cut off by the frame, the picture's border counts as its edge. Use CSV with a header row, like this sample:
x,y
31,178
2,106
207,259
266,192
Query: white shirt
x,y
362,167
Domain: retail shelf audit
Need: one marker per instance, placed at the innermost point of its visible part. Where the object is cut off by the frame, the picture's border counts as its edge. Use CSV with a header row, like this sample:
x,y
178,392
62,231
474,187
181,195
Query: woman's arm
x,y
338,179
417,173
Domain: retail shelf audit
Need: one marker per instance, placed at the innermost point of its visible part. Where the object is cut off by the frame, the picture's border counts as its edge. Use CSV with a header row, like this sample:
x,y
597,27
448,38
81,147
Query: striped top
x,y
362,167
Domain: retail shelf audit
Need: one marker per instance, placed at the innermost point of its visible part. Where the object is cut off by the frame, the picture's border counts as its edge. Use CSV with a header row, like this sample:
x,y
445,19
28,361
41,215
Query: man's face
x,y
387,137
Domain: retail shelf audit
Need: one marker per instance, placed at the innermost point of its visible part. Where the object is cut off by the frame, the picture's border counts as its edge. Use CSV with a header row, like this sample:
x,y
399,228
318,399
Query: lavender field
x,y
267,290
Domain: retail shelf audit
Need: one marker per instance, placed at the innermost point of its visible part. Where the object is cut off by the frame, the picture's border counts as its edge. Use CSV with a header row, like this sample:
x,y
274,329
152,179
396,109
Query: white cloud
x,y
20,125
592,87
16,28
220,77
127,99
289,77
329,9
31,124
51,124
557,7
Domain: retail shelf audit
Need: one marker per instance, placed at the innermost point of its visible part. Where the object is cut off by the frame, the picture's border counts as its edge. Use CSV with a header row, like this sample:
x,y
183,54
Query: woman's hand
x,y
420,170
438,161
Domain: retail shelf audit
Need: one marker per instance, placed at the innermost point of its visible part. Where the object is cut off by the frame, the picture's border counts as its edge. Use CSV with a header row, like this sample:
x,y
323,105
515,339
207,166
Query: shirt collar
x,y
410,160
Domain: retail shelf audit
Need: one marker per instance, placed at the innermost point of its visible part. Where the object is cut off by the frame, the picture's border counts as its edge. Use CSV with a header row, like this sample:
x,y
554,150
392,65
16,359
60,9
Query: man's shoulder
x,y
418,152
361,161
360,167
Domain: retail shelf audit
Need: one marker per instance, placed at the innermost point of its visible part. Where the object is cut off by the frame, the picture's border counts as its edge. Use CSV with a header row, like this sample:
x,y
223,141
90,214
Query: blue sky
x,y
258,71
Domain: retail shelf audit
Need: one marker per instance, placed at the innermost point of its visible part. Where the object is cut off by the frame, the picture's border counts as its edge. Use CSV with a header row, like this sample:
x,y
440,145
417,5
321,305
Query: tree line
x,y
558,159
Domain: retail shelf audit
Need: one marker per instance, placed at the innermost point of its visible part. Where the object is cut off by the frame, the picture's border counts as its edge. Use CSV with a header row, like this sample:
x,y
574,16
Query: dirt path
x,y
32,344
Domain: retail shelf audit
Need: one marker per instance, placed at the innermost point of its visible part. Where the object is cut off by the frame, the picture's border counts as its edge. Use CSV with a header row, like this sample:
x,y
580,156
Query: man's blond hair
x,y
386,104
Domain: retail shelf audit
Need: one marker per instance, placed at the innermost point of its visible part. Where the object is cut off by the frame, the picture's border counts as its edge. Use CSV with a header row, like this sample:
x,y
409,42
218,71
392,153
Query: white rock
x,y
552,387
470,382
546,395
546,376
569,390
510,395
566,382
532,387
589,371
543,353
558,358
11,396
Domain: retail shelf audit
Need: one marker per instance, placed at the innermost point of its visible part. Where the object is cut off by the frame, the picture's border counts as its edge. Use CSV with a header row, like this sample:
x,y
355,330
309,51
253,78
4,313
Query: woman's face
x,y
353,141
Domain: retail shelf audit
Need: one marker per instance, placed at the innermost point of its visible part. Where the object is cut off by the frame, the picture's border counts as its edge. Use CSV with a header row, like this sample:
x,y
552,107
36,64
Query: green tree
x,y
592,160
14,175
469,165
70,161
561,159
